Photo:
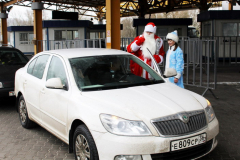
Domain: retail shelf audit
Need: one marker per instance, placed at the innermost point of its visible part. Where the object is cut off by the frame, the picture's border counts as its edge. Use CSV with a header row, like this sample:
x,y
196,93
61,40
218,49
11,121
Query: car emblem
x,y
184,117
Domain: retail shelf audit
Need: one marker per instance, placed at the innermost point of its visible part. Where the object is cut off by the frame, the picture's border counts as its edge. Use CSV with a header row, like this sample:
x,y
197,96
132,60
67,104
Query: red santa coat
x,y
134,49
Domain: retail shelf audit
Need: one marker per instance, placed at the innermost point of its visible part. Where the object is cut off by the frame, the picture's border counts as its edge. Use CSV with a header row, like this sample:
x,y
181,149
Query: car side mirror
x,y
54,83
169,72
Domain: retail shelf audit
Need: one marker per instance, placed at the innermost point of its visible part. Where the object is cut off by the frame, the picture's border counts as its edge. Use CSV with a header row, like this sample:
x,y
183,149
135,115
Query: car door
x,y
54,102
32,85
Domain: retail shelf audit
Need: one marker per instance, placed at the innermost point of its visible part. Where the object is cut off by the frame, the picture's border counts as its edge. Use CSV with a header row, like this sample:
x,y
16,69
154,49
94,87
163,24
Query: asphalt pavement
x,y
17,143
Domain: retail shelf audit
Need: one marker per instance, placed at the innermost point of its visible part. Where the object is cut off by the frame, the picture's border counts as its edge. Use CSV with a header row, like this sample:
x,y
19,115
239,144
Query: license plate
x,y
188,142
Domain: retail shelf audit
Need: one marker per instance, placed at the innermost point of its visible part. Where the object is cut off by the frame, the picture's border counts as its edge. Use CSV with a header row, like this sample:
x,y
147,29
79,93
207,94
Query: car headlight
x,y
210,112
120,126
1,85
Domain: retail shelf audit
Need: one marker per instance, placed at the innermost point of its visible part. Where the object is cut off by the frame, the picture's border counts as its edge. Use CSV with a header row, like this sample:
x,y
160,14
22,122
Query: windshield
x,y
110,72
12,57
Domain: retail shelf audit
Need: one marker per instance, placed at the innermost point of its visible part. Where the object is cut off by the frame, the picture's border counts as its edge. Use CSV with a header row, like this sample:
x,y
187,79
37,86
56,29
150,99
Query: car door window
x,y
40,65
56,70
31,66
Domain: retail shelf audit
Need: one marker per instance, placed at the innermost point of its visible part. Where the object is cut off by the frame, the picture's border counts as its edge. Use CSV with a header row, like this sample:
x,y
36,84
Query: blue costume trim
x,y
177,62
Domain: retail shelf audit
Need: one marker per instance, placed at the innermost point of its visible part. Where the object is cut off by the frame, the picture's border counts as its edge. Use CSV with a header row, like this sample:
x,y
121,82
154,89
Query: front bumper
x,y
4,92
110,145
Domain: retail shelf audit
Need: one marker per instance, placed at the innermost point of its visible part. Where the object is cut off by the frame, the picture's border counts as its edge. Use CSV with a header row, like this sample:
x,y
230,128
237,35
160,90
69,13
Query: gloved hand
x,y
140,41
157,58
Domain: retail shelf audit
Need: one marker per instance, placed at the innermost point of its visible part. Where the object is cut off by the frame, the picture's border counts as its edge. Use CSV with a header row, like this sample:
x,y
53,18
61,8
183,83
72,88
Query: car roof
x,y
85,52
7,48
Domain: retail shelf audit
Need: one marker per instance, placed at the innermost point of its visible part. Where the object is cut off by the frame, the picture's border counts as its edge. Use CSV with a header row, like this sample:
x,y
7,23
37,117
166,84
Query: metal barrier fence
x,y
228,49
65,44
200,57
200,61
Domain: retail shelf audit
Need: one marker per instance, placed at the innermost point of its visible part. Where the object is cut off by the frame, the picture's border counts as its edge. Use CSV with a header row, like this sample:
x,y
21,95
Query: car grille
x,y
172,125
185,154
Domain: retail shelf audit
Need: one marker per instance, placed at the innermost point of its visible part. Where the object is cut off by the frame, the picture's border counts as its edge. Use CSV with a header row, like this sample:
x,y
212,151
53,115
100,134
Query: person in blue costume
x,y
174,59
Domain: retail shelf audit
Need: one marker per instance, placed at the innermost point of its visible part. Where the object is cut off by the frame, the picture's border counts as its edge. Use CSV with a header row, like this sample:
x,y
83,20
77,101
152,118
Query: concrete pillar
x,y
37,26
3,16
113,24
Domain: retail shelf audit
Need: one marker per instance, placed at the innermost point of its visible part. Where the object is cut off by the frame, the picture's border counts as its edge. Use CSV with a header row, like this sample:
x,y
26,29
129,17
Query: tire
x,y
82,137
23,115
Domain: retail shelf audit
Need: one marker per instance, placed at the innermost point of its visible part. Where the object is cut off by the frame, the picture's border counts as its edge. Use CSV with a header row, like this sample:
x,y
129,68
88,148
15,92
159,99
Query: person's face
x,y
171,42
149,33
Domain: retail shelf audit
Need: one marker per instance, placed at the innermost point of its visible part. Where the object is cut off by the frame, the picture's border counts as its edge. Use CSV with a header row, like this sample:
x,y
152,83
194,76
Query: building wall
x,y
11,38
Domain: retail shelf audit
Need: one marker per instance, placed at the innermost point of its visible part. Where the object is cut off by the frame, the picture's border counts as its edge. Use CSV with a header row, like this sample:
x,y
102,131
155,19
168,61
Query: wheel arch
x,y
74,125
17,99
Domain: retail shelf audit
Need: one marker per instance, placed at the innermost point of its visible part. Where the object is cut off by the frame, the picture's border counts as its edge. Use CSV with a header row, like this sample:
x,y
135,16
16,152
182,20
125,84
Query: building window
x,y
230,29
60,35
25,38
97,35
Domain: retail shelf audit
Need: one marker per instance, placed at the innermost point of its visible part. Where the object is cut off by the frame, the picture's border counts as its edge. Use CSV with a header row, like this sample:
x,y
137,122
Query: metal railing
x,y
65,44
200,61
228,49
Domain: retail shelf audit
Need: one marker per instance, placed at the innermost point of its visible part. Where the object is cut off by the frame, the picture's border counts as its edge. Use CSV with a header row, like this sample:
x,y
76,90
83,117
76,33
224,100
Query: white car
x,y
90,100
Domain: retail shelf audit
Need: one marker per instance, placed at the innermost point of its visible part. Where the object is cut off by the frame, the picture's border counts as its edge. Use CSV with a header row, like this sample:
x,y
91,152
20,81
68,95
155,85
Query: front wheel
x,y
83,144
23,115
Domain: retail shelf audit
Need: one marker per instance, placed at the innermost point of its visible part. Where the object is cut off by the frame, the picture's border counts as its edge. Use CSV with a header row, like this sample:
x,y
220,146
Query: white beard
x,y
149,43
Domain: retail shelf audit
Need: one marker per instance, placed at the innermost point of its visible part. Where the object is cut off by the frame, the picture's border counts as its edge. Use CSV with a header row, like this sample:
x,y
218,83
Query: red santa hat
x,y
150,27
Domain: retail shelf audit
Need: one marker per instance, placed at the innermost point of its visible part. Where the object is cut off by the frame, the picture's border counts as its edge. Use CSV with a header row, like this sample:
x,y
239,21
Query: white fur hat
x,y
150,27
173,36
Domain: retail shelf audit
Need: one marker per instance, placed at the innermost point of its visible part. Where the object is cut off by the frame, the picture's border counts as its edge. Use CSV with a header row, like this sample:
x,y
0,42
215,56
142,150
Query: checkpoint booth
x,y
59,34
21,38
224,27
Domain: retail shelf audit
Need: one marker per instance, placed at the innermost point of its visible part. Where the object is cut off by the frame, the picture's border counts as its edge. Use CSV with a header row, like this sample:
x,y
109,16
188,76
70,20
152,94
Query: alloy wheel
x,y
23,111
82,148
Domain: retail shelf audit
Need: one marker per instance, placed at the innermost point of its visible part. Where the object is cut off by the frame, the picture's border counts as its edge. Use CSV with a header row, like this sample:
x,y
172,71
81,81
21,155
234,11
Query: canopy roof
x,y
127,7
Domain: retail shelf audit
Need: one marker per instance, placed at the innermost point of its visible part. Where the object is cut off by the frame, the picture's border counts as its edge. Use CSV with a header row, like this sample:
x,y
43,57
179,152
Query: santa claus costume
x,y
140,46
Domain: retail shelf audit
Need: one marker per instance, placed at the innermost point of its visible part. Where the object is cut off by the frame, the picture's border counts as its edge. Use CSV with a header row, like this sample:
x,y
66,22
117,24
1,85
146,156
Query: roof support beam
x,y
113,24
37,30
10,3
4,26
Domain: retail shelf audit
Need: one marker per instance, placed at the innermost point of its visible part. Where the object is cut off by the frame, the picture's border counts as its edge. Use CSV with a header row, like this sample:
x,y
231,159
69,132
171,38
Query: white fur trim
x,y
135,47
150,28
161,59
178,75
172,36
144,71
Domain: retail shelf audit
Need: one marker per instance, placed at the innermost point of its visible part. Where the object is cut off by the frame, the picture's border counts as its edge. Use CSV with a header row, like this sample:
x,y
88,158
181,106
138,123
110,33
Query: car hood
x,y
7,74
146,102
